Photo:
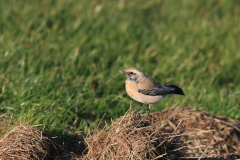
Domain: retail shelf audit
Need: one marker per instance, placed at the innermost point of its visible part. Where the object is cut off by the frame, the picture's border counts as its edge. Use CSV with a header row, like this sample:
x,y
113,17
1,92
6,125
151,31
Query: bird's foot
x,y
150,108
141,109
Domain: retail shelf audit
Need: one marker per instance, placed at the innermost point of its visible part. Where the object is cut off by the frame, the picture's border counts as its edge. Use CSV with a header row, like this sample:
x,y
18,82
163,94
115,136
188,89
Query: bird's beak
x,y
121,71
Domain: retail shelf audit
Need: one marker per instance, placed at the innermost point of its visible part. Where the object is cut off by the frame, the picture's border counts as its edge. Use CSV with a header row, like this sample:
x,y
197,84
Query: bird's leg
x,y
150,108
141,109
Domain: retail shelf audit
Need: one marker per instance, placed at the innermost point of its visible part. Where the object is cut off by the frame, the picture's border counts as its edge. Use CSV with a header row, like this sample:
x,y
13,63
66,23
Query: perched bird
x,y
145,89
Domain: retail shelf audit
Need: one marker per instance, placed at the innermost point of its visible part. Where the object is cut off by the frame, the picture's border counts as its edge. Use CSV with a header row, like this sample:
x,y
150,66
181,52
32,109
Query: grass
x,y
59,60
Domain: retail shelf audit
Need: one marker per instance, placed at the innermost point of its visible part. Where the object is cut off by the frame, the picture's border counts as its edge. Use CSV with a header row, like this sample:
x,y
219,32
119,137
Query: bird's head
x,y
133,74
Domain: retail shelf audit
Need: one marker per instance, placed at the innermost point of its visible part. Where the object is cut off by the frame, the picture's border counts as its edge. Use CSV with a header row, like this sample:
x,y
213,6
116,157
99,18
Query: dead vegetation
x,y
178,133
28,142
204,134
172,134
133,137
25,142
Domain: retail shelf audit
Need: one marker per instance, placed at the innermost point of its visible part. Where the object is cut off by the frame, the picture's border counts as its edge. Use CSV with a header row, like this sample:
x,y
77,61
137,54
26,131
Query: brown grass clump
x,y
26,142
178,133
205,135
133,137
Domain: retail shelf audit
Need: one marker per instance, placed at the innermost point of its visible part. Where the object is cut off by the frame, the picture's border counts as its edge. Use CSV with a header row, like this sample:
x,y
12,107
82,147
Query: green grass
x,y
59,60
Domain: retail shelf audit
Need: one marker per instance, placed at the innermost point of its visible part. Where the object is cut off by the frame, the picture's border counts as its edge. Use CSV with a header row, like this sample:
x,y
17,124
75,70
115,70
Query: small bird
x,y
145,89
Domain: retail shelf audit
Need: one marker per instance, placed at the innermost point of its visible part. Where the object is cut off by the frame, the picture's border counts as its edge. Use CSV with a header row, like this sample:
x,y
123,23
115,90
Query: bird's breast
x,y
132,91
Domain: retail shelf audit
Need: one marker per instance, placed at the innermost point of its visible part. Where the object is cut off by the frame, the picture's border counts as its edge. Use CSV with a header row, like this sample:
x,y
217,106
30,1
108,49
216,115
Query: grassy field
x,y
59,60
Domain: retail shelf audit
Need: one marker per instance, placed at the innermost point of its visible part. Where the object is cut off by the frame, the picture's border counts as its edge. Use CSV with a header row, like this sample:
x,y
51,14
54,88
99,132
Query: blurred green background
x,y
59,60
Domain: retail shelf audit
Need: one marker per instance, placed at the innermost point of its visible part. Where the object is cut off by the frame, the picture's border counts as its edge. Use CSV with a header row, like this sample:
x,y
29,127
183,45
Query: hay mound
x,y
133,137
26,142
171,134
205,135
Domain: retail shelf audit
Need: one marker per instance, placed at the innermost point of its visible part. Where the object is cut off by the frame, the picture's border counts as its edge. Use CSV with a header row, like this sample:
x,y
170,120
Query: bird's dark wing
x,y
154,92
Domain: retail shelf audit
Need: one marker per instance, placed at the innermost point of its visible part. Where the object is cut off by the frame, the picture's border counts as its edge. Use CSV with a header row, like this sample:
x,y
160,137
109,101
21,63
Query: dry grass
x,y
132,138
27,142
205,135
171,134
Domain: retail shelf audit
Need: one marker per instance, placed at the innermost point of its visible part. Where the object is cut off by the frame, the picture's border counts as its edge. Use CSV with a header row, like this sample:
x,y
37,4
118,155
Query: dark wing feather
x,y
153,92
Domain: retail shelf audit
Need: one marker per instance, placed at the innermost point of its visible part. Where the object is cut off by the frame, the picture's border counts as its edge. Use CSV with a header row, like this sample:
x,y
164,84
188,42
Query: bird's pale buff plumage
x,y
146,90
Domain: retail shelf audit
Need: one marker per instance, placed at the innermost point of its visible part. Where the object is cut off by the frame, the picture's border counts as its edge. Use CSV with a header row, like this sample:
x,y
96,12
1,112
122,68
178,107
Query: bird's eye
x,y
131,72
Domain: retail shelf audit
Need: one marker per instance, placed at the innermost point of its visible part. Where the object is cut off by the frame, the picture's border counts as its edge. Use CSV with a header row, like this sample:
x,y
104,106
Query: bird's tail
x,y
175,90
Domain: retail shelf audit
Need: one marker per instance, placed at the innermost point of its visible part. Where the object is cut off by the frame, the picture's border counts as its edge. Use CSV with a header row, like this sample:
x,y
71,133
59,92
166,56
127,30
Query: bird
x,y
145,89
